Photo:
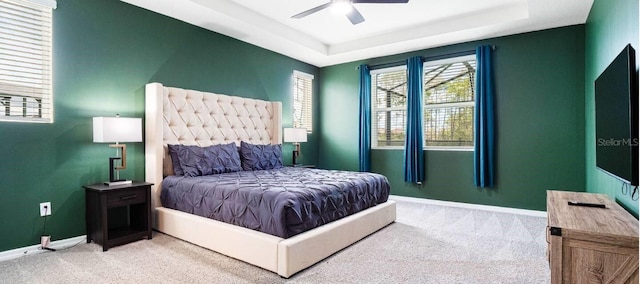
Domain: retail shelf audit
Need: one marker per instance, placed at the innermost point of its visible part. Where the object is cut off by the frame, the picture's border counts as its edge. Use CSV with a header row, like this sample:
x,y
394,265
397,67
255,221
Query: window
x,y
389,99
448,110
449,102
25,60
302,100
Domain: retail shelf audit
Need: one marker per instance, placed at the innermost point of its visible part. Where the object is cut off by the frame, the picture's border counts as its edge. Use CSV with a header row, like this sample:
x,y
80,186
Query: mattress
x,y
282,202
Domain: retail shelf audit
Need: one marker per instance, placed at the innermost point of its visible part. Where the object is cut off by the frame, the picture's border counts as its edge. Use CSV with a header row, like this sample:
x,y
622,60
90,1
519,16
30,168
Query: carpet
x,y
426,244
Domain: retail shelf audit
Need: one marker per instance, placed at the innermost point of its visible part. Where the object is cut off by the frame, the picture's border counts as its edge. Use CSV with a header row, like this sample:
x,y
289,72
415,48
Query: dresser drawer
x,y
126,197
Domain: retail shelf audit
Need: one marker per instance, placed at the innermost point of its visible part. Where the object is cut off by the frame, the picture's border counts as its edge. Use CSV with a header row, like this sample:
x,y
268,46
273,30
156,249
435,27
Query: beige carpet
x,y
427,244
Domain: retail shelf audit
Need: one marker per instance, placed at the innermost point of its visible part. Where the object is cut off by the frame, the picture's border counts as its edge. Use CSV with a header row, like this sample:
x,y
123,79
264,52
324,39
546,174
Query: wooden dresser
x,y
590,244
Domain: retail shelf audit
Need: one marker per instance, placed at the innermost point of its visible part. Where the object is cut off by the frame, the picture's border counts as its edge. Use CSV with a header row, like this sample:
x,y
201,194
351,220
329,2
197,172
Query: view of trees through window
x,y
389,92
449,104
448,109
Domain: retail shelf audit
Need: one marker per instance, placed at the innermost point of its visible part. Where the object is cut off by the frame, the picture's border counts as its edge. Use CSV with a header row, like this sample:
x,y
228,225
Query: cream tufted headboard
x,y
179,116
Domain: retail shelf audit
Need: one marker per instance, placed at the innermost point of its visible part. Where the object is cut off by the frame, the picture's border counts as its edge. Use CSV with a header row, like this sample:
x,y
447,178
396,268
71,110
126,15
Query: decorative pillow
x,y
175,161
201,161
192,160
223,158
260,157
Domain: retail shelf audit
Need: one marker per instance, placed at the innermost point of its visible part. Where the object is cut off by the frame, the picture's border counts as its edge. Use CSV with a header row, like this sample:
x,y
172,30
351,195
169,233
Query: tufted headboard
x,y
179,116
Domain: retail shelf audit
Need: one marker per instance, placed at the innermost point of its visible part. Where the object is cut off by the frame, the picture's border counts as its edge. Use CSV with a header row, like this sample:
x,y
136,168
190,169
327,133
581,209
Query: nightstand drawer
x,y
126,197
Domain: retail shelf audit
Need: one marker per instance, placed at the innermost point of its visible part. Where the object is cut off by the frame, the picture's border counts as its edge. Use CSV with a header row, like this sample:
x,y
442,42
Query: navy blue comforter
x,y
282,202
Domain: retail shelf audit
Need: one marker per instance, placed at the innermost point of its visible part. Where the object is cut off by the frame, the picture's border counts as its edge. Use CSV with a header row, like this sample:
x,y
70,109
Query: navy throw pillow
x,y
260,157
223,158
193,162
175,161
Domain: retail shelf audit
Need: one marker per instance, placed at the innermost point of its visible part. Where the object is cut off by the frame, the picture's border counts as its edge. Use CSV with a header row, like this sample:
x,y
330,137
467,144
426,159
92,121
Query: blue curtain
x,y
365,119
484,148
413,145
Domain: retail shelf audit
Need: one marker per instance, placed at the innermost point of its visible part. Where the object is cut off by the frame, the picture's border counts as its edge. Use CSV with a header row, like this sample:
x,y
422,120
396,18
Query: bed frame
x,y
178,116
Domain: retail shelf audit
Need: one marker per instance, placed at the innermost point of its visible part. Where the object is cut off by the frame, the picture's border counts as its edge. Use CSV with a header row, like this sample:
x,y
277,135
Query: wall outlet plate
x,y
45,209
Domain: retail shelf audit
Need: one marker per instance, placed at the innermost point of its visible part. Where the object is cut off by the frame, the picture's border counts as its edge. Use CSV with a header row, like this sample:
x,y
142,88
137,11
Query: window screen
x,y
449,102
389,99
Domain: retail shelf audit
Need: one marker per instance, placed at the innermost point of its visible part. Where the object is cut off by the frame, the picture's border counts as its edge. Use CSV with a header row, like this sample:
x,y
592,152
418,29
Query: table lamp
x,y
295,135
115,130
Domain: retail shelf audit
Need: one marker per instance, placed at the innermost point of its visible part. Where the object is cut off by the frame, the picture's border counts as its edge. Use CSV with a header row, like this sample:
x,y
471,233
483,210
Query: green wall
x,y
612,24
105,51
539,80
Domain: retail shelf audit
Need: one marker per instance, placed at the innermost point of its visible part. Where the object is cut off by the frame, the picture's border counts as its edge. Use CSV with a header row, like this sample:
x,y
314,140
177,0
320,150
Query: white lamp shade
x,y
117,129
295,135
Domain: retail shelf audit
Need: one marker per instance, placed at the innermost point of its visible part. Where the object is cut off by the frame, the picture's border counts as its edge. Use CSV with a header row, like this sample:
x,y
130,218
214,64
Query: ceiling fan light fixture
x,y
346,8
341,7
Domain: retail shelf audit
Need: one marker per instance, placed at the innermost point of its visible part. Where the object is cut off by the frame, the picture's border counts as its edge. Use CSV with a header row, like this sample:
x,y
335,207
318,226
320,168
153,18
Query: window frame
x,y
307,101
426,106
375,109
27,94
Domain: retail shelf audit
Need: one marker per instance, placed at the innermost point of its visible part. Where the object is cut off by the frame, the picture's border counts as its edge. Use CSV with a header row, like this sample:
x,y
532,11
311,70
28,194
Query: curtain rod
x,y
424,59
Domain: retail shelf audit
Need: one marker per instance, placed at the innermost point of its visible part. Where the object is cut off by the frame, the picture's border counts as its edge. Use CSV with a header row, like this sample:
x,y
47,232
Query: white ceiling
x,y
325,38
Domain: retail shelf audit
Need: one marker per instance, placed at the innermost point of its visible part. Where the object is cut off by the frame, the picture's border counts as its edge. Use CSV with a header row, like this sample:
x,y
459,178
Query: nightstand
x,y
119,214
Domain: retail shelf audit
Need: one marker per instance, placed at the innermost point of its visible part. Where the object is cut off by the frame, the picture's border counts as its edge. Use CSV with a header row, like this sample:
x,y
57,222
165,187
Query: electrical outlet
x,y
45,208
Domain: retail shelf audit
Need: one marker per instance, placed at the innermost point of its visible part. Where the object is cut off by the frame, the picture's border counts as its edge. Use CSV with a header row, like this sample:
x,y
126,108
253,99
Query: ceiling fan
x,y
346,7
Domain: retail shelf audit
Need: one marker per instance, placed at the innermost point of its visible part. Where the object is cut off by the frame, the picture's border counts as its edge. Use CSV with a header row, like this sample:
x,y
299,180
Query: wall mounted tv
x,y
616,94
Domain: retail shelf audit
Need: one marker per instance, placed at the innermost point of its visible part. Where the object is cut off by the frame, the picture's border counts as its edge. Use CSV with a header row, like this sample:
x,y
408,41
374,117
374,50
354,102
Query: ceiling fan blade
x,y
311,11
354,16
380,1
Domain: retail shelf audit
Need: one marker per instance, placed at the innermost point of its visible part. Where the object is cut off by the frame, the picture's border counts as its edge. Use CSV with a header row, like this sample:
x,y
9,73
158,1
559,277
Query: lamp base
x,y
114,176
117,182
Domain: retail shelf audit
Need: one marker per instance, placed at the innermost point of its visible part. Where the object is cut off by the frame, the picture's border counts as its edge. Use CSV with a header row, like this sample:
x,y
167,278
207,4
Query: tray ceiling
x,y
327,38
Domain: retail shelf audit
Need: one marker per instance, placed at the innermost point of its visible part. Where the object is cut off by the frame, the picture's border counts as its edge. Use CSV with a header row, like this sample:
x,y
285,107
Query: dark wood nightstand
x,y
118,214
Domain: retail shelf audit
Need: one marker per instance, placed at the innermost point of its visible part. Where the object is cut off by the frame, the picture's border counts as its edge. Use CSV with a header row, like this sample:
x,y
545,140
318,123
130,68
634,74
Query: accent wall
x,y
105,51
539,83
612,24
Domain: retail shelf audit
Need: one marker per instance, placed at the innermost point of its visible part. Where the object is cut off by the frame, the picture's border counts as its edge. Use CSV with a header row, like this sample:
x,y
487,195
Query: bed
x,y
188,117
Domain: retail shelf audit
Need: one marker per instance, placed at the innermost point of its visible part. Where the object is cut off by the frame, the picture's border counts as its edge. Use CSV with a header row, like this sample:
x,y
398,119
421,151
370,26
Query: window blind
x,y
449,102
389,89
25,60
303,100
448,109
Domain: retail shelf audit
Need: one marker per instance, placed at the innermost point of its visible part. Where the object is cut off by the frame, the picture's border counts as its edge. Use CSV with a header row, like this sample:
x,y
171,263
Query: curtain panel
x,y
365,119
484,140
413,145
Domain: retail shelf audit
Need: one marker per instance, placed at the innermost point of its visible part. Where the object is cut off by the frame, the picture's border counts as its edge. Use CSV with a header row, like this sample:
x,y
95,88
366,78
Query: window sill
x,y
428,149
449,149
387,148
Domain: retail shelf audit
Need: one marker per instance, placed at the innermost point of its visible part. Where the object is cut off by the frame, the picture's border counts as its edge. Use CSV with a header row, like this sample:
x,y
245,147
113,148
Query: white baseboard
x,y
34,249
527,212
62,244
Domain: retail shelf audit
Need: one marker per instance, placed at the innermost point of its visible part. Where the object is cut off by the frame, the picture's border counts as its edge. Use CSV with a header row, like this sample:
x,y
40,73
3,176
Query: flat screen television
x,y
616,98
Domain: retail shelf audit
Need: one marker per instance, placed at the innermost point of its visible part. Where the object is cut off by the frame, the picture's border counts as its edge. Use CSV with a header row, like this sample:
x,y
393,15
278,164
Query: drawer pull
x,y
128,197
